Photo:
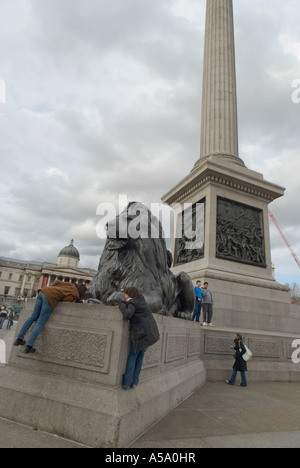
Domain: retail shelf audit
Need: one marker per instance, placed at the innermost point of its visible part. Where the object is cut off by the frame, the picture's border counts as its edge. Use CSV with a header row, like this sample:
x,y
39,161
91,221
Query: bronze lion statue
x,y
135,254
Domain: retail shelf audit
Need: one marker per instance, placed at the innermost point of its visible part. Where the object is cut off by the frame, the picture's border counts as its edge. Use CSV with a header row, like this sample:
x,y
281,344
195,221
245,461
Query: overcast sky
x,y
103,97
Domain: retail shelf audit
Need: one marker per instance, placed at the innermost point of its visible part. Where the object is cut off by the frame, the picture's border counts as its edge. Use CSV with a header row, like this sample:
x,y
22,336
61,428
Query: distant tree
x,y
294,289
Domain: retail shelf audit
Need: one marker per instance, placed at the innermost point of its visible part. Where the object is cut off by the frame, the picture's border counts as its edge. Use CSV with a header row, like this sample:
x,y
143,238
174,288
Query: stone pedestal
x,y
272,354
239,274
218,183
72,386
221,184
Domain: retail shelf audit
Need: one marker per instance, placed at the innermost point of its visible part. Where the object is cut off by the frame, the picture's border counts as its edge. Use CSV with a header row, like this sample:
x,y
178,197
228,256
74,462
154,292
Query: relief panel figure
x,y
189,245
240,233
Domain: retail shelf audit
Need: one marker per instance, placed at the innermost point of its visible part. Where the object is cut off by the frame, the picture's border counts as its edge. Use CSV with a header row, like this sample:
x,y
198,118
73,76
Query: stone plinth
x,y
272,354
211,182
245,293
72,386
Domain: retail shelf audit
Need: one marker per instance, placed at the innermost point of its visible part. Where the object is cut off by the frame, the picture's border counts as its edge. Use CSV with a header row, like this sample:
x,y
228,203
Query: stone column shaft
x,y
219,127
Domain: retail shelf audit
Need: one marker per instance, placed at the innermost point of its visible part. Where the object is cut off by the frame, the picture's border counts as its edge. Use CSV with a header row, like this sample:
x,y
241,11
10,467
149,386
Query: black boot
x,y
19,342
29,349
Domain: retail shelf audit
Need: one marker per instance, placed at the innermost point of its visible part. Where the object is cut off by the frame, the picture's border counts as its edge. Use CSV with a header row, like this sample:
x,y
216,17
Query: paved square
x,y
218,415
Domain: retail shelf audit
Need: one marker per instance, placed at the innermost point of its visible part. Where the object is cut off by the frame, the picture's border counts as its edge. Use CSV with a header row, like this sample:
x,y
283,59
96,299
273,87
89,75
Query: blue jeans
x,y
41,313
243,375
134,367
2,320
197,311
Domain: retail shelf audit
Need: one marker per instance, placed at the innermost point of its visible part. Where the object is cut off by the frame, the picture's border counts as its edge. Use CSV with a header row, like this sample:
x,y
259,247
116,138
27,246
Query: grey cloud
x,y
107,95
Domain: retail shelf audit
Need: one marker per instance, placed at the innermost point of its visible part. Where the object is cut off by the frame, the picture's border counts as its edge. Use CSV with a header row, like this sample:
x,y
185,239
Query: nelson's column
x,y
229,211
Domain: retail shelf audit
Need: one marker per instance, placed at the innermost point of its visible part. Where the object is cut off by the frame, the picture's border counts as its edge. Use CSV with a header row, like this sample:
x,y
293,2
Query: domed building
x,y
20,279
69,256
67,267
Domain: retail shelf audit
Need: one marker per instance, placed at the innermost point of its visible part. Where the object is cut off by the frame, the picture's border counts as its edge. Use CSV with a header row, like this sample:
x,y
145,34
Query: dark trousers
x,y
134,367
207,312
197,311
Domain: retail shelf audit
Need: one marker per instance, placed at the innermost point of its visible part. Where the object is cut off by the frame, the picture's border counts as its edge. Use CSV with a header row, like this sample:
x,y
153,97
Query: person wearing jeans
x,y
240,364
133,368
143,330
46,301
243,376
41,313
199,300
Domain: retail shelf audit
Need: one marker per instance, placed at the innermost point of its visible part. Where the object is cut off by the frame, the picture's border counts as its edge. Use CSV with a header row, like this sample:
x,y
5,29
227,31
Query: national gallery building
x,y
20,279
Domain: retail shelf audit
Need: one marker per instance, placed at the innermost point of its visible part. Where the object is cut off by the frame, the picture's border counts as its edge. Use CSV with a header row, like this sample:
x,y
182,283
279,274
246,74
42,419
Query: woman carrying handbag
x,y
240,364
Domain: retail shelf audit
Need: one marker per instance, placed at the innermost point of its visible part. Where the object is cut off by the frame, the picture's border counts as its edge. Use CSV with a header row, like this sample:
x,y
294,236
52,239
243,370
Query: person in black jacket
x,y
143,330
240,365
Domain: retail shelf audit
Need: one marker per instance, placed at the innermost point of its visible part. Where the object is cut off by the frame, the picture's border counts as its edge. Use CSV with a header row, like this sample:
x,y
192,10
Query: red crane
x,y
284,238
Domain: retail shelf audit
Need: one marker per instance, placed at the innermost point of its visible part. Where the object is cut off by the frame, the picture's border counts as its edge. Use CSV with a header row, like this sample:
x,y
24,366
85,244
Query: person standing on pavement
x,y
3,315
240,364
208,304
199,300
10,319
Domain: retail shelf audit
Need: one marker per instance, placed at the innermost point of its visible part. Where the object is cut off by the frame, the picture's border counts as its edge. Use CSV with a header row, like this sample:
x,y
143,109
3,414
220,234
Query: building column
x,y
23,284
45,279
219,125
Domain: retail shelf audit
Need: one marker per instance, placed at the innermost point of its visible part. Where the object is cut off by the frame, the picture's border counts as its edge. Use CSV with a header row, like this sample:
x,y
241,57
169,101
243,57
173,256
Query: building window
x,y
6,290
10,276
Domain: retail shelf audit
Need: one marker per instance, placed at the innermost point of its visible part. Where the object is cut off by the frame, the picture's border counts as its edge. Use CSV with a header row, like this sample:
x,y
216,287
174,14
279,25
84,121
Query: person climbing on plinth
x,y
46,301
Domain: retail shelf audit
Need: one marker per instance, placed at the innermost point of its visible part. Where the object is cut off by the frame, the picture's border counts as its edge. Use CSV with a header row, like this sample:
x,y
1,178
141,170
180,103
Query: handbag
x,y
247,355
